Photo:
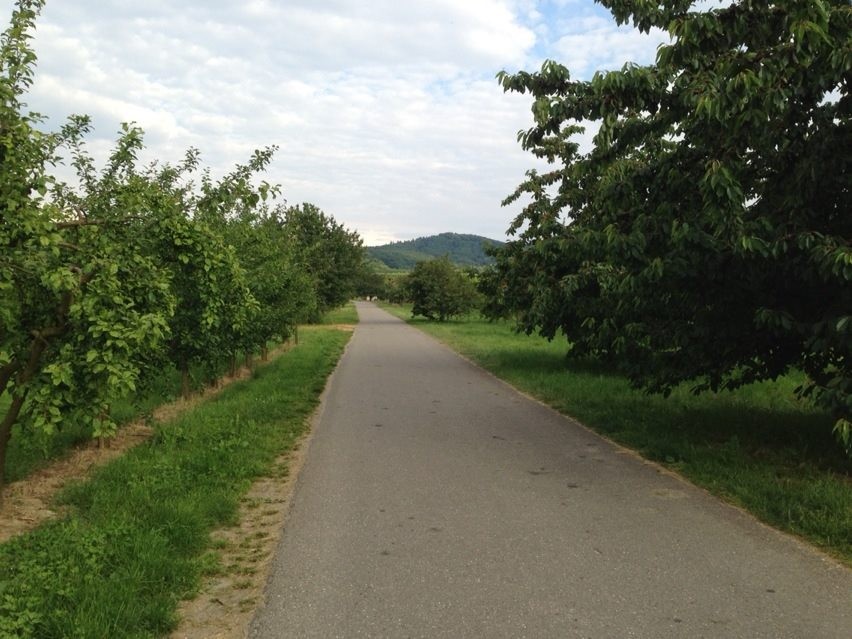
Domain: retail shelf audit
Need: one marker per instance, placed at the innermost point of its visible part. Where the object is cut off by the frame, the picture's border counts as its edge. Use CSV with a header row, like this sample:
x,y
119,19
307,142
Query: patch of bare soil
x,y
226,605
27,503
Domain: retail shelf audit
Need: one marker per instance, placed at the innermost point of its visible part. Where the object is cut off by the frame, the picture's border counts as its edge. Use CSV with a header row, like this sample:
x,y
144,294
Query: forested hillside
x,y
461,249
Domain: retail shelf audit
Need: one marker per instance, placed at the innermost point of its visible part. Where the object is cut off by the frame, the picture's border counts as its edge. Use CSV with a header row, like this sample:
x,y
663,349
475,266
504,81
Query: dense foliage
x,y
461,249
439,290
706,236
370,281
105,281
331,254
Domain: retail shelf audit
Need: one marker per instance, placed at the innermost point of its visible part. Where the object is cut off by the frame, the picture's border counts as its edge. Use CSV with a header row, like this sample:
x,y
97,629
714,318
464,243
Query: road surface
x,y
435,501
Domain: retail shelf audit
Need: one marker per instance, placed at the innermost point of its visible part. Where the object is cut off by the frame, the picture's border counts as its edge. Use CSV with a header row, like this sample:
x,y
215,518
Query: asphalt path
x,y
435,501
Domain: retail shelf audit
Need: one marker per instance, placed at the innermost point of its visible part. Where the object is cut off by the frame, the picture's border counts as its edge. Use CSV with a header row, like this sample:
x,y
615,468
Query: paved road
x,y
437,502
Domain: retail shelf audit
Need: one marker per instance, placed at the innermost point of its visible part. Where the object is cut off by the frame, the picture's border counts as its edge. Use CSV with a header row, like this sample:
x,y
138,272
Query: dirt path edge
x,y
229,600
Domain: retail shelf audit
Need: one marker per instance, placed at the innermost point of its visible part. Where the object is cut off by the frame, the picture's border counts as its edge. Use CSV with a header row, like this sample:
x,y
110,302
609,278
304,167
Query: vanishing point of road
x,y
435,501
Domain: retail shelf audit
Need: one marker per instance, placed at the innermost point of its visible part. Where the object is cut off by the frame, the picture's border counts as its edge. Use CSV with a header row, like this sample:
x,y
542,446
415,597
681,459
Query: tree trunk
x,y
37,348
184,381
233,371
296,335
264,353
249,360
6,374
5,435
26,373
103,441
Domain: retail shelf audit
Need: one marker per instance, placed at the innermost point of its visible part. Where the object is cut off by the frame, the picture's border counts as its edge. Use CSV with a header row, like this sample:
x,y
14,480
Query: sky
x,y
387,113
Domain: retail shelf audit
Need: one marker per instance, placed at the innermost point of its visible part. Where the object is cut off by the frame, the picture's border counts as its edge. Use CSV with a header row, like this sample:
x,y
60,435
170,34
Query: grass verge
x,y
346,314
135,541
758,447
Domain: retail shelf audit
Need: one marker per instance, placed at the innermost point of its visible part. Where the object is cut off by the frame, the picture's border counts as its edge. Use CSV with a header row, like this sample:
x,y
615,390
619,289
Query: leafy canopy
x,y
105,282
80,303
706,236
439,290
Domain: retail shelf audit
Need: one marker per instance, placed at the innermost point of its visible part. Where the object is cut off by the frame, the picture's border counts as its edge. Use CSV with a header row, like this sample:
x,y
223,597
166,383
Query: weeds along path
x,y
28,502
227,599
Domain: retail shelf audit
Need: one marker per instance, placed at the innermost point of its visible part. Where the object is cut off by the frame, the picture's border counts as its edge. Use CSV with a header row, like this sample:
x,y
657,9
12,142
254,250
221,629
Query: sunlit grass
x,y
346,314
758,447
136,541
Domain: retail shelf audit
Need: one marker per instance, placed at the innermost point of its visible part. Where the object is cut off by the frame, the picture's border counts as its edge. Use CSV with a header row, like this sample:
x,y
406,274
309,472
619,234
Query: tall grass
x,y
758,447
134,542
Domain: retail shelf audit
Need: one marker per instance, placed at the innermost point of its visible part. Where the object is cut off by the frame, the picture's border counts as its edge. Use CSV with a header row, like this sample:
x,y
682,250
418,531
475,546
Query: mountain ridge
x,y
463,249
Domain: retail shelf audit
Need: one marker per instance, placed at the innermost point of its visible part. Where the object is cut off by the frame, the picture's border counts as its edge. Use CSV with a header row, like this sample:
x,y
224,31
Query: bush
x,y
438,290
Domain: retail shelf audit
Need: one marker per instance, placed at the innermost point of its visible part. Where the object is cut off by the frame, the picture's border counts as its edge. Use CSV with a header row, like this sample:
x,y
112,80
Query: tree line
x,y
132,268
463,249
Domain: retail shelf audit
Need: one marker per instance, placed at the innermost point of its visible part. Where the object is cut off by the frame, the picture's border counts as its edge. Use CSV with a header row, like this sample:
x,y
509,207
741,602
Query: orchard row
x,y
129,269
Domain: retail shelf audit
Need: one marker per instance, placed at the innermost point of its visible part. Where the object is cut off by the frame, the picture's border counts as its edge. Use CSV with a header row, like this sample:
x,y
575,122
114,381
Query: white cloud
x,y
594,43
386,113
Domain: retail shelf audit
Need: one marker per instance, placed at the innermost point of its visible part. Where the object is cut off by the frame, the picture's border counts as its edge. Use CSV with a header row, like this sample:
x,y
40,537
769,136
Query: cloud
x,y
387,113
594,43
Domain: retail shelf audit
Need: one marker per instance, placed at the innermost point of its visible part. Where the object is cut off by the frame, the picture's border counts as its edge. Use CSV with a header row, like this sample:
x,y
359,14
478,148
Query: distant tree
x,y
706,236
397,291
439,290
238,207
329,252
369,282
284,291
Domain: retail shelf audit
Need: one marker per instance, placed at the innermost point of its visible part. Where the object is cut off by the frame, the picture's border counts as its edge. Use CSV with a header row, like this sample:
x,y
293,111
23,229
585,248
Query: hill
x,y
463,250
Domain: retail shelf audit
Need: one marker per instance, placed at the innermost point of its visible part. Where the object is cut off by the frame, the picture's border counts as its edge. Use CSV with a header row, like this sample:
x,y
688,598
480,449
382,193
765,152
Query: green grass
x,y
758,447
346,314
137,539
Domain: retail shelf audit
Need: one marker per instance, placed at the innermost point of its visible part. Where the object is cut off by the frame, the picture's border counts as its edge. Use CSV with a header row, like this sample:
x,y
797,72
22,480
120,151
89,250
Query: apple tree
x,y
80,307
